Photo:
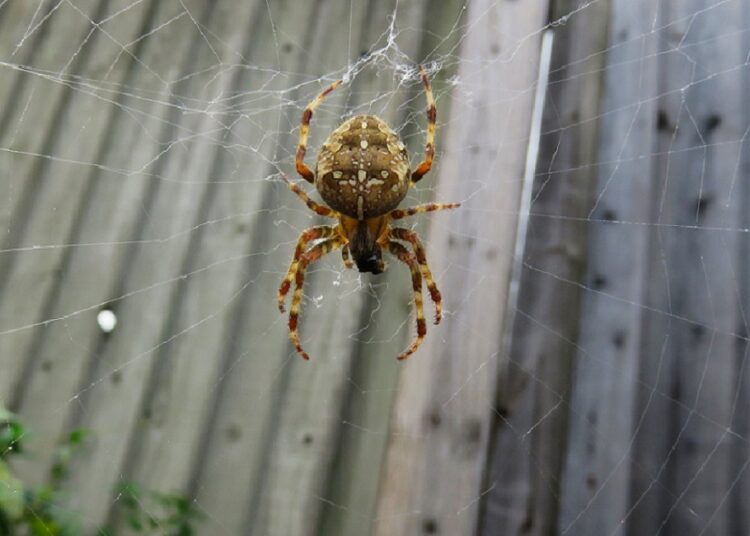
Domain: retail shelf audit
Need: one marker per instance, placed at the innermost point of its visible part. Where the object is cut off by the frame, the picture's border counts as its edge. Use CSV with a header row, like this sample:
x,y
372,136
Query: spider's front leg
x,y
307,236
312,205
308,258
429,149
407,258
304,129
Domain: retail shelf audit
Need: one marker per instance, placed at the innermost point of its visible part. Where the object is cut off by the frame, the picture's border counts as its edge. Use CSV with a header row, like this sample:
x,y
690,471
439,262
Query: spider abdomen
x,y
363,168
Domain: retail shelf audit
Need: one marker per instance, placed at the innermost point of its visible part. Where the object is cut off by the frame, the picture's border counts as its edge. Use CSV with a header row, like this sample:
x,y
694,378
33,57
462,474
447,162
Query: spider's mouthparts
x,y
372,264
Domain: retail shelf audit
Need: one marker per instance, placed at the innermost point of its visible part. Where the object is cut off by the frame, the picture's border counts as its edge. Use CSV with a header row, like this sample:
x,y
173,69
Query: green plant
x,y
33,510
156,513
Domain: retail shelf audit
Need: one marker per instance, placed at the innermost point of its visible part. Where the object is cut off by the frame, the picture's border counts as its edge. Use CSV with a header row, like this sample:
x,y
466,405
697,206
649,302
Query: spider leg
x,y
315,253
412,237
312,205
429,151
304,128
416,280
345,257
399,213
307,236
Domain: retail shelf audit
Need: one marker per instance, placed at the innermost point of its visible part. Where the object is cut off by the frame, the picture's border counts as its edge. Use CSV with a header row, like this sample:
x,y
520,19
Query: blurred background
x,y
590,374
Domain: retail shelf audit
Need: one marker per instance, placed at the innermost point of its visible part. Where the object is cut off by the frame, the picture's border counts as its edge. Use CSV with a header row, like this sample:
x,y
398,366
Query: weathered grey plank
x,y
238,483
32,126
191,377
17,48
183,387
595,487
115,387
700,130
433,474
350,499
531,427
57,353
739,516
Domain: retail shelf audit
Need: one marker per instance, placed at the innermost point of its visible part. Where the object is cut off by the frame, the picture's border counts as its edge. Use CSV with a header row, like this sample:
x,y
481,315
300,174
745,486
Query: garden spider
x,y
362,173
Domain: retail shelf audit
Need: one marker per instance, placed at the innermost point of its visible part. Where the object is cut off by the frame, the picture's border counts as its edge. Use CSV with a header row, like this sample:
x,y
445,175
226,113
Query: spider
x,y
362,174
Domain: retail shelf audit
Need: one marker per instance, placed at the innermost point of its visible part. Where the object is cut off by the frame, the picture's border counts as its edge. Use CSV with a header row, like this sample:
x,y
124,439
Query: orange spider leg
x,y
416,280
429,151
307,236
304,128
308,258
312,205
416,243
346,258
399,213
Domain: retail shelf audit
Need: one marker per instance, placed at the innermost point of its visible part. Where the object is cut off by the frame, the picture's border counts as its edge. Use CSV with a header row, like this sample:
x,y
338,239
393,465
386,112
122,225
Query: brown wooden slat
x,y
531,426
433,474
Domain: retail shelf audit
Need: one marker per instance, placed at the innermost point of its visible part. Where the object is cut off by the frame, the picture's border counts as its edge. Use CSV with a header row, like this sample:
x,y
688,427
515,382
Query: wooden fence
x,y
589,375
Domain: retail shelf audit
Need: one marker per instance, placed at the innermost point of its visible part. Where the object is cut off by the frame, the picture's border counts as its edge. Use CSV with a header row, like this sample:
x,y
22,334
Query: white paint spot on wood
x,y
337,174
384,174
363,144
361,175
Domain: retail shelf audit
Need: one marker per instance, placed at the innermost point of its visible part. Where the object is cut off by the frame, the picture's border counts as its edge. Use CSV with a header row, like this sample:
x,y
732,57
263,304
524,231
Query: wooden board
x,y
595,486
432,481
530,427
696,346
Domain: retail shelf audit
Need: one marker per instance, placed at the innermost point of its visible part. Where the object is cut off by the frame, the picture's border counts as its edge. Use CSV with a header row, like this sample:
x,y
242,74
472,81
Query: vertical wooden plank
x,y
110,218
17,50
433,473
205,309
243,479
701,150
31,129
112,395
595,487
350,499
530,429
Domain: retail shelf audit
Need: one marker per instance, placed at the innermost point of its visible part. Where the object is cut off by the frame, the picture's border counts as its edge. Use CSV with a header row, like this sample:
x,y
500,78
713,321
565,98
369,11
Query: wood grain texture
x,y
596,477
28,208
432,480
701,344
530,428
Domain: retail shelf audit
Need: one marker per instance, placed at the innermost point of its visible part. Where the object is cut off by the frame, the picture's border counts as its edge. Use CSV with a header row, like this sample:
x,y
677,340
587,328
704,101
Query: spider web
x,y
146,230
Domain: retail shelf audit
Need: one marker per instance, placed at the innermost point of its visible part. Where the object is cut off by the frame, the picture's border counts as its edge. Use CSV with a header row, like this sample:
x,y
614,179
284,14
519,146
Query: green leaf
x,y
11,494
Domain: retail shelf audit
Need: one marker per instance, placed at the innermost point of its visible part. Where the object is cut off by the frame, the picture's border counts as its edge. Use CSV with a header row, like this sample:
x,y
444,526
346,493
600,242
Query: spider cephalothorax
x,y
362,173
